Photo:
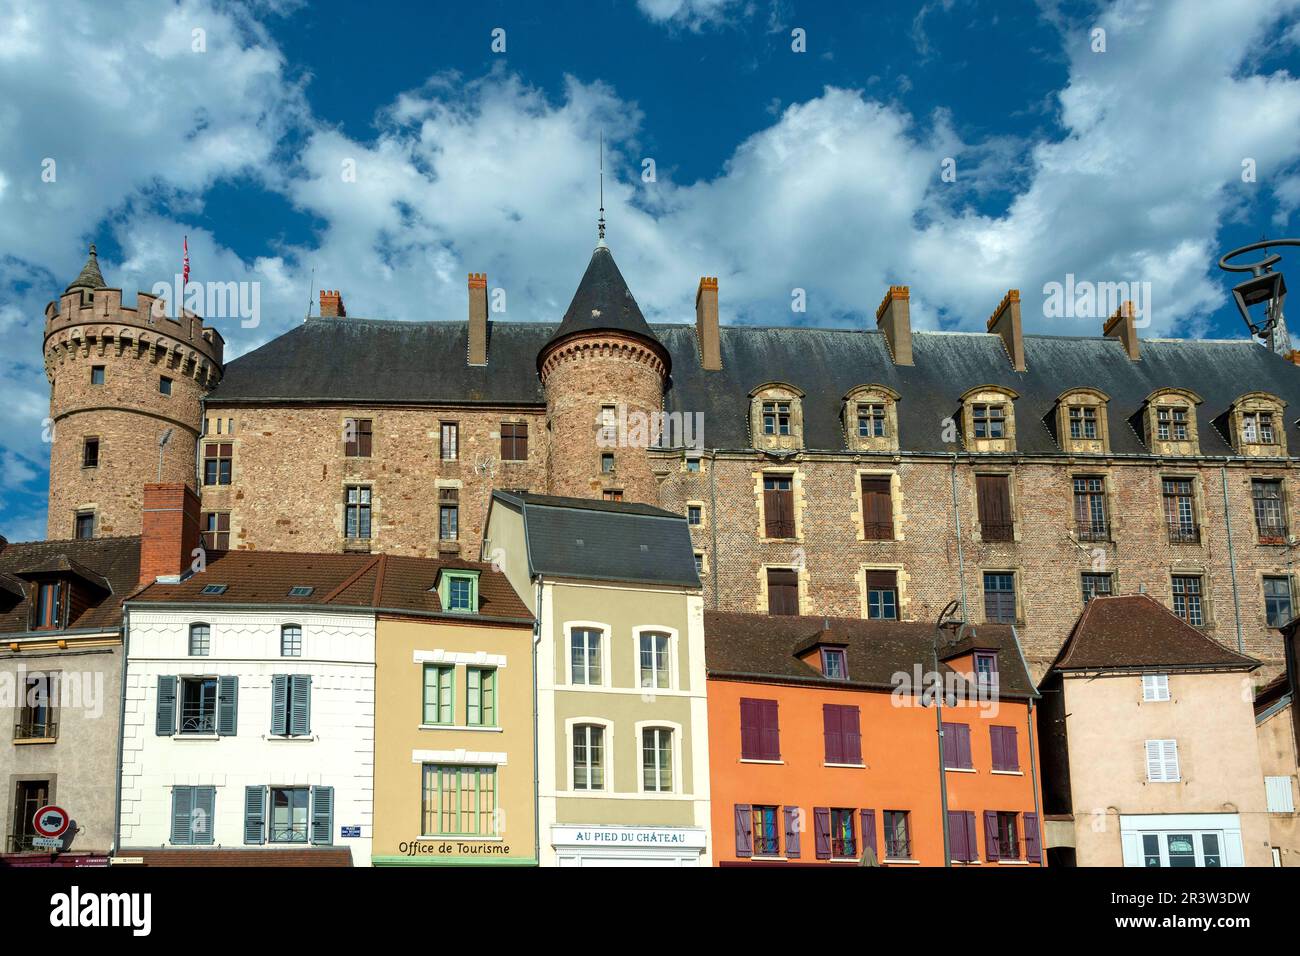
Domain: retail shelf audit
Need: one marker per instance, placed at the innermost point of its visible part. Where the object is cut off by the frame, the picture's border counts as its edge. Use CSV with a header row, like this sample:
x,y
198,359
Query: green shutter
x,y
322,815
182,814
227,706
474,700
279,705
300,704
166,719
490,697
255,815
446,702
205,804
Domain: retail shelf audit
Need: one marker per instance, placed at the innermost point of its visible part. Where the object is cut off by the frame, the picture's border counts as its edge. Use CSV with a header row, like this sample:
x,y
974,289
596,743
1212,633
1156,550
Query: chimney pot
x,y
169,531
1122,326
707,333
1005,321
894,318
331,304
477,318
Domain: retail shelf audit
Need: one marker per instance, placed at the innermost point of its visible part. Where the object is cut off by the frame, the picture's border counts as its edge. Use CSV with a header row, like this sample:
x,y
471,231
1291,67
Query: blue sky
x,y
775,170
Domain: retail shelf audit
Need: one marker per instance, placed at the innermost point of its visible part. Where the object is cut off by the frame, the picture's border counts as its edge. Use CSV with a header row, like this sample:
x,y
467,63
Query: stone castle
x,y
873,472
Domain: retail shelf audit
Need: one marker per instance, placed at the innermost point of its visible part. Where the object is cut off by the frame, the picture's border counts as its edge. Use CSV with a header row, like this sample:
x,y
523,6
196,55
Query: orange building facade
x,y
824,745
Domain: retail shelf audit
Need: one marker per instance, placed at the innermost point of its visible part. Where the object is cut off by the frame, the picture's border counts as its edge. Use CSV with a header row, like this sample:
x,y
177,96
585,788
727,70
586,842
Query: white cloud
x,y
693,14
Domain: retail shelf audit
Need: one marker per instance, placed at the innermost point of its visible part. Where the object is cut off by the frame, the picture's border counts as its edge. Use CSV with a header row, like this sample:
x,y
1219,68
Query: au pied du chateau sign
x,y
678,837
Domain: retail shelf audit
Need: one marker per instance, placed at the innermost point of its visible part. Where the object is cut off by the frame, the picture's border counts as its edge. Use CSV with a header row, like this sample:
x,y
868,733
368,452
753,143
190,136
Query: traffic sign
x,y
51,821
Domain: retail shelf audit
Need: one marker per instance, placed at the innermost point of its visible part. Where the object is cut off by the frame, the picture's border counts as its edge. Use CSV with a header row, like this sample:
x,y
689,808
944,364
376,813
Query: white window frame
x,y
676,731
605,655
1162,751
571,726
672,635
1155,688
1281,796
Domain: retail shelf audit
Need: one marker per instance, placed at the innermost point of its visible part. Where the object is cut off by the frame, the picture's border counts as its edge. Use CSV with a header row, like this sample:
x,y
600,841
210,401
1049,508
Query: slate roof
x,y
90,277
761,647
1135,632
374,361
337,580
111,564
604,540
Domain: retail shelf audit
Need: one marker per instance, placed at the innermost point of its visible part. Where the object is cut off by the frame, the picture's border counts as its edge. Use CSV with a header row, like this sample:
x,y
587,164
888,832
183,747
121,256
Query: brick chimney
x,y
894,318
478,318
1121,326
1005,321
169,531
331,304
706,324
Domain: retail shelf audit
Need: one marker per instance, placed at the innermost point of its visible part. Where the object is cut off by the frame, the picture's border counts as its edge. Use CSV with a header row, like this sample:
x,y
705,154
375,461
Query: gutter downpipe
x,y
713,526
121,733
1033,759
1232,561
537,780
961,561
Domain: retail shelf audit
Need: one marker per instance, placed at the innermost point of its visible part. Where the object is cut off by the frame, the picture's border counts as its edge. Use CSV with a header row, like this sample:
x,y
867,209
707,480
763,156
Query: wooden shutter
x,y
949,745
868,818
877,509
990,835
365,428
322,815
782,591
792,842
1006,752
750,732
832,734
165,721
744,830
1033,845
255,815
958,842
227,706
280,705
972,841
993,493
300,704
822,832
963,747
772,525
851,731
182,815
882,580
769,730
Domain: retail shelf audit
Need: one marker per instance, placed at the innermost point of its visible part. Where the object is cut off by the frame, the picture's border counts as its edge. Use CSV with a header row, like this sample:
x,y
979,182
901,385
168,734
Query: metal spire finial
x,y
600,223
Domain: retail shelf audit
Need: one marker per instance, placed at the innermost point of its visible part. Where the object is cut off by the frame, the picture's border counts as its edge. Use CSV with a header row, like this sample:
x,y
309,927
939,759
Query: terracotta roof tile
x,y
112,564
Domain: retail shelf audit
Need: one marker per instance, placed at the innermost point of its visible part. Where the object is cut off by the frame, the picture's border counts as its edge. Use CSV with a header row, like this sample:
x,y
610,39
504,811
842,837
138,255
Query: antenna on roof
x,y
600,223
163,440
311,292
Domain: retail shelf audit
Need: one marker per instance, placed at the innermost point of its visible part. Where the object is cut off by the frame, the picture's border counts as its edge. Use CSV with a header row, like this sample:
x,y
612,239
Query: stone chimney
x,y
1121,326
894,318
478,318
1005,321
331,305
169,532
706,324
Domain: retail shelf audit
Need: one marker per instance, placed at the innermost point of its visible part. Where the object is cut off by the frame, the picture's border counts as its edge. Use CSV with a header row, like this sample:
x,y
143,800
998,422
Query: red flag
x,y
186,279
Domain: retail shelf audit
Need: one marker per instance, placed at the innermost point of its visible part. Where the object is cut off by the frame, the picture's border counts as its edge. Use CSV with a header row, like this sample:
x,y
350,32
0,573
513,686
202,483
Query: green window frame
x,y
458,800
458,592
439,694
481,696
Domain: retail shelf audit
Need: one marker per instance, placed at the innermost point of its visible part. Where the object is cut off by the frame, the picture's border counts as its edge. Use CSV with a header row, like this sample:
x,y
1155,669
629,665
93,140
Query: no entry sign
x,y
51,821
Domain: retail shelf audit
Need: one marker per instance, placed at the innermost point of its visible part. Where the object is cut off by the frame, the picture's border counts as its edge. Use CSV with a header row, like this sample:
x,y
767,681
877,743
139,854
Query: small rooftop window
x,y
213,589
300,590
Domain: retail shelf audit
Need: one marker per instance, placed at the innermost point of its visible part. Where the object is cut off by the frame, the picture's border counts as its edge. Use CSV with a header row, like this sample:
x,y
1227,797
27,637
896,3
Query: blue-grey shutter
x,y
322,815
227,706
166,720
205,805
300,704
280,705
182,815
255,815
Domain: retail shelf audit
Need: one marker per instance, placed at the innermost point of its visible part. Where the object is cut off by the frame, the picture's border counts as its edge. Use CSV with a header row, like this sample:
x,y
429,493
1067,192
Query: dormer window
x,y
776,417
1083,422
50,605
834,665
1170,422
986,671
1255,425
871,418
988,419
458,591
1080,421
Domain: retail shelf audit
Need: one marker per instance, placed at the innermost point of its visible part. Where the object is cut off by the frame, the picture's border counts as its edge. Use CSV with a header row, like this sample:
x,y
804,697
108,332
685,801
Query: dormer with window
x,y
1080,421
1256,427
1169,422
59,590
988,421
776,417
458,590
871,418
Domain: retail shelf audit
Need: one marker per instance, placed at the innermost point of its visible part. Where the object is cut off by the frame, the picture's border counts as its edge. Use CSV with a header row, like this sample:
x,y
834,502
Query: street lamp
x,y
1264,287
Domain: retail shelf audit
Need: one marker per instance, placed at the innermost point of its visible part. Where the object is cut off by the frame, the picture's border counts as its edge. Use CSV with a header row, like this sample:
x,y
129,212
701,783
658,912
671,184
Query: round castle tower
x,y
119,379
603,372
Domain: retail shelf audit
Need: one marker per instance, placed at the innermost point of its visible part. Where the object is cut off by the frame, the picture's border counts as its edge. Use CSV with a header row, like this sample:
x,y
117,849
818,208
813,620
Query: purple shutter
x,y
963,747
792,848
972,841
1033,848
822,832
869,832
750,735
990,835
957,842
833,734
996,744
770,734
1011,748
851,731
949,745
744,830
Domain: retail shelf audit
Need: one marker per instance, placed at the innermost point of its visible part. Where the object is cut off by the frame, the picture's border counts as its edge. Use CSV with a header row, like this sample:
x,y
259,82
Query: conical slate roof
x,y
604,303
90,276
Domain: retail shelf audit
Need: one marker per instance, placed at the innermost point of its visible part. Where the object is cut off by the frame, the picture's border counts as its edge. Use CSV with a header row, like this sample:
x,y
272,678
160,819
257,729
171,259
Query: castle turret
x,y
603,372
120,379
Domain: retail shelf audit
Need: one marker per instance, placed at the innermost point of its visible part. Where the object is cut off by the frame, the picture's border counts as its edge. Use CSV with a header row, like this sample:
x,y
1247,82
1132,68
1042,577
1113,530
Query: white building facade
x,y
248,729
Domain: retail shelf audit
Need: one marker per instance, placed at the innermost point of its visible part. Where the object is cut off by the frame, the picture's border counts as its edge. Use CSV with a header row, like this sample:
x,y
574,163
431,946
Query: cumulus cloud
x,y
692,14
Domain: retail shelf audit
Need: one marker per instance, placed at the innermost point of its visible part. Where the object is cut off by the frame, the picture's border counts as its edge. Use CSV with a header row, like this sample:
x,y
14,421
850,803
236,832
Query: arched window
x,y
291,640
200,640
870,418
1169,422
776,417
989,418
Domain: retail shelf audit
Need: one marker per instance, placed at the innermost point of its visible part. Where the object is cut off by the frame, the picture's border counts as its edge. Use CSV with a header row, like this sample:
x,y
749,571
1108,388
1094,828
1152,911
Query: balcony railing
x,y
198,720
1184,534
1272,533
21,843
842,849
898,848
33,729
1092,530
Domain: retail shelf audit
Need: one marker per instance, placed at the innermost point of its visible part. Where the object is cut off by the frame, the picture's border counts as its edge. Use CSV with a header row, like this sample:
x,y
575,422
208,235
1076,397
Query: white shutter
x,y
1155,769
1280,797
1155,687
1171,760
1162,761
